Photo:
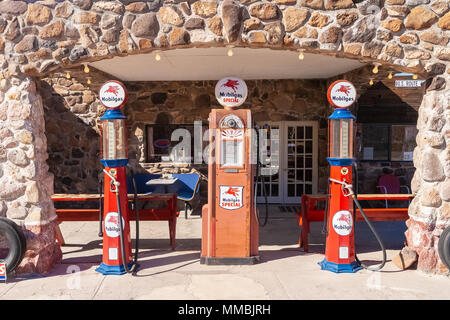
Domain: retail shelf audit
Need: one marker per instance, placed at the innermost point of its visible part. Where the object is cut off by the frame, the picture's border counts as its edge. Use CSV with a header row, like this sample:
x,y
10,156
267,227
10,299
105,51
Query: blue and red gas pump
x,y
340,242
340,256
116,225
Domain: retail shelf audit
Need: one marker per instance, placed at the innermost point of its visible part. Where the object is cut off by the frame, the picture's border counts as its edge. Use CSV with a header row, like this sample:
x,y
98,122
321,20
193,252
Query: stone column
x,y
430,210
27,185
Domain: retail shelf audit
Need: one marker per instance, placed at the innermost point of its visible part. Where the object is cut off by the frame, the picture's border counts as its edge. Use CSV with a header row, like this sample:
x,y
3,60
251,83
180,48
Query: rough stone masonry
x,y
40,37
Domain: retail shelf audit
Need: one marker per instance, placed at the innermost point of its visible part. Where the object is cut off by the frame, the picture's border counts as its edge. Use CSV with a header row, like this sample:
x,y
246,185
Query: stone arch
x,y
40,37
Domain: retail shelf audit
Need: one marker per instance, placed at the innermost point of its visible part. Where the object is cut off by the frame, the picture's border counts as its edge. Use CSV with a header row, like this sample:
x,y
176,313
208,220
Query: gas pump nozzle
x,y
113,182
347,188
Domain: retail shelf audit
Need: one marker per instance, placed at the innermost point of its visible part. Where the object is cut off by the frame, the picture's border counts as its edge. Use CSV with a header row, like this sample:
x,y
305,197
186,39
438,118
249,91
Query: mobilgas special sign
x,y
231,92
113,94
231,197
341,94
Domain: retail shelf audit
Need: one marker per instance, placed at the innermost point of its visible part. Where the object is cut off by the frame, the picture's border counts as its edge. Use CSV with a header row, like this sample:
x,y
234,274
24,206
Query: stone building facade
x,y
42,37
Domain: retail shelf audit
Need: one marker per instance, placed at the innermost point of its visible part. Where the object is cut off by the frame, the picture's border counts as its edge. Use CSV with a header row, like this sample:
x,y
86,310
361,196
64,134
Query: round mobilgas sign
x,y
341,94
342,222
113,94
112,226
231,92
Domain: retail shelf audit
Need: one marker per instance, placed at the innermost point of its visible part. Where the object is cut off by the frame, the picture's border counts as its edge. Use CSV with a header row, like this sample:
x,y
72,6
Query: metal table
x,y
165,182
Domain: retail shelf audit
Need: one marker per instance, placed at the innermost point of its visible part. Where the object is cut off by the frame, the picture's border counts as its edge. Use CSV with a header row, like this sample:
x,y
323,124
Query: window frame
x,y
174,126
389,125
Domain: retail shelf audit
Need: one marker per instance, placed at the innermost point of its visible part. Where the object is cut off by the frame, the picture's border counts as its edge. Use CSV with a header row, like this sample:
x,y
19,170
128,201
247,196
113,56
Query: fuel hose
x,y
259,178
371,227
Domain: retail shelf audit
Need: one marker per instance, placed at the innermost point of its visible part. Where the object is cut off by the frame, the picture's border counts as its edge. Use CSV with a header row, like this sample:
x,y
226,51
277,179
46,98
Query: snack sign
x,y
341,94
231,92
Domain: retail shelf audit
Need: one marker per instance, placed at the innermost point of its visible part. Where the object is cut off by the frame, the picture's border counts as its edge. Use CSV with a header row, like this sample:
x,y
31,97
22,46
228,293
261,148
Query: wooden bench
x,y
169,213
310,213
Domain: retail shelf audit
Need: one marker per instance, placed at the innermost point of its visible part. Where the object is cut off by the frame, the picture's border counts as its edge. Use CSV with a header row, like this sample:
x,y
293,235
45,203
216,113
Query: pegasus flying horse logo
x,y
344,89
113,89
231,84
345,218
233,191
113,219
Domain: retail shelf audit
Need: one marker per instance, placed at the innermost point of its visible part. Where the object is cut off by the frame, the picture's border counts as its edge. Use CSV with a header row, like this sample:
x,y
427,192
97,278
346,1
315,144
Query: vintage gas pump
x,y
340,242
340,255
116,227
229,223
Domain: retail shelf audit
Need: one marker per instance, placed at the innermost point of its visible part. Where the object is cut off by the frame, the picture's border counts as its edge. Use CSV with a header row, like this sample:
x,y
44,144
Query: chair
x,y
186,187
390,184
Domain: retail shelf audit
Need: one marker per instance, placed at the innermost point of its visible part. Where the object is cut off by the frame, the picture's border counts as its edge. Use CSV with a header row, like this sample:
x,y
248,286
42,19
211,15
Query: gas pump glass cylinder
x,y
341,138
114,141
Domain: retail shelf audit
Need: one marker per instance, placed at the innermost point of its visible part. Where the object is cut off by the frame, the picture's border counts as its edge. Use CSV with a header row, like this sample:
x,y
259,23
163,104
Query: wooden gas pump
x,y
229,225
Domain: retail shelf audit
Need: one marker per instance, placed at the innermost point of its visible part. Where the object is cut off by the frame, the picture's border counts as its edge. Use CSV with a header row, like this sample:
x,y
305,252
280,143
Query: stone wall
x,y
71,116
430,210
43,36
26,182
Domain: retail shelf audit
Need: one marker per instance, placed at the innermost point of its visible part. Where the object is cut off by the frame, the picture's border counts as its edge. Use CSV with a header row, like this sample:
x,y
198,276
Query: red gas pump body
x,y
112,255
229,225
340,242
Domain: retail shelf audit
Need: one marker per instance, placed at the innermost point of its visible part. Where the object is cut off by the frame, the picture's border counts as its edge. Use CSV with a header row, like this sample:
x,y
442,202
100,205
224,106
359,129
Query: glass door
x,y
300,164
296,154
270,168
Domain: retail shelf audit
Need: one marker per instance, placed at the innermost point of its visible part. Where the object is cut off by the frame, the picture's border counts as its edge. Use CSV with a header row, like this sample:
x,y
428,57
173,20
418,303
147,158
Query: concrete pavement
x,y
285,271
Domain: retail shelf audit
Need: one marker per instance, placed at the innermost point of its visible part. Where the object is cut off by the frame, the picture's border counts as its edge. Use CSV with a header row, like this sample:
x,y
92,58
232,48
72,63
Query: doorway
x,y
298,161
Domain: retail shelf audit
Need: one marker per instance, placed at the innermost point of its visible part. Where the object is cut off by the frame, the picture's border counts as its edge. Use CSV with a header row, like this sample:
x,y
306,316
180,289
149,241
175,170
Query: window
x,y
171,143
386,142
403,142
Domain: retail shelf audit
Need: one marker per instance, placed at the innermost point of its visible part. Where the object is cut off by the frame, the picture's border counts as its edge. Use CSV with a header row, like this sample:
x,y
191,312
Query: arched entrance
x,y
41,38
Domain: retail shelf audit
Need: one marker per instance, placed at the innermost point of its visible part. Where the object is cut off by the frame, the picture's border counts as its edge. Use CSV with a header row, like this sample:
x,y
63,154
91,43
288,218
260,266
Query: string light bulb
x,y
157,56
86,68
375,68
68,75
415,76
390,75
88,80
371,82
230,52
301,56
